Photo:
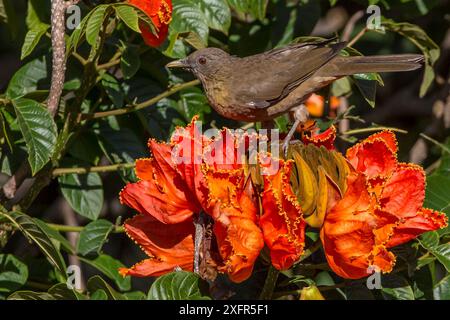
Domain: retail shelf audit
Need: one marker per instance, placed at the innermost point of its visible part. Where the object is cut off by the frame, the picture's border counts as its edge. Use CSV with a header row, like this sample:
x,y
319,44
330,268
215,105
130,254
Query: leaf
x,y
257,8
130,62
113,90
429,239
110,267
129,16
84,193
437,194
32,38
217,13
55,236
368,89
97,283
93,236
193,102
60,291
396,288
38,129
99,295
31,295
28,77
428,47
13,274
95,23
33,232
441,291
180,285
442,253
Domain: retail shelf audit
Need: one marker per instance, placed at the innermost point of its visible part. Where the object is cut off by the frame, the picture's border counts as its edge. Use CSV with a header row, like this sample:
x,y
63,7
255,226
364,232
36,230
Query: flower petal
x,y
282,222
238,237
425,220
168,245
325,138
373,158
404,192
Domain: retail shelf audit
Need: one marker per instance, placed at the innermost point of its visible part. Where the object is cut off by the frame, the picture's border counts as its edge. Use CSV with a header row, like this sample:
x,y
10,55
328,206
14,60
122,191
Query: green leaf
x,y
428,47
31,295
368,88
113,90
429,240
95,23
32,38
217,13
60,291
179,285
13,274
38,129
130,62
27,78
55,236
256,8
437,194
193,102
32,231
441,291
93,236
84,193
97,283
396,288
442,253
110,267
129,16
99,295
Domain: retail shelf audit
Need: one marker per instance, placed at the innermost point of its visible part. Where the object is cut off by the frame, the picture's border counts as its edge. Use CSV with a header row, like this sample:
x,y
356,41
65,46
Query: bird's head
x,y
203,63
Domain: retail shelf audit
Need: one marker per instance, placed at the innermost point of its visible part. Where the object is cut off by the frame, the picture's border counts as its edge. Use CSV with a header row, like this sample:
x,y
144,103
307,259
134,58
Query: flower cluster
x,y
160,13
363,204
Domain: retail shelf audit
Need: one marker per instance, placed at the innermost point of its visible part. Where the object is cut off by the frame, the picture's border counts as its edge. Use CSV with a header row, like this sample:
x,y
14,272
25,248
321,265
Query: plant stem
x,y
357,37
142,105
64,228
316,246
269,285
109,168
373,129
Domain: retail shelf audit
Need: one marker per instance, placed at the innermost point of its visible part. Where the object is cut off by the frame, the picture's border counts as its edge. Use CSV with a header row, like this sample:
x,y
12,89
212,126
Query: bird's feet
x,y
301,115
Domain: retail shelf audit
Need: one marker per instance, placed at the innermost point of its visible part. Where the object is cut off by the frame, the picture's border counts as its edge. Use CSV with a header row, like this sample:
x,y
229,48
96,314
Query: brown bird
x,y
264,86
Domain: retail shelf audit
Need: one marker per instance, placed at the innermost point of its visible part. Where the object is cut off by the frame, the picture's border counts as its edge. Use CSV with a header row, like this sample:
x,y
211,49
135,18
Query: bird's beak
x,y
182,63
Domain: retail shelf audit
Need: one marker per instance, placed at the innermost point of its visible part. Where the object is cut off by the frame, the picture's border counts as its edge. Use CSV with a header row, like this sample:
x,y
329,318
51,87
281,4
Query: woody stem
x,y
269,285
198,224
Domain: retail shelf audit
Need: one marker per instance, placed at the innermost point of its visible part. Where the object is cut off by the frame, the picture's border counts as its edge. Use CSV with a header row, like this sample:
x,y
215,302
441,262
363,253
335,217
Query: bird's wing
x,y
270,76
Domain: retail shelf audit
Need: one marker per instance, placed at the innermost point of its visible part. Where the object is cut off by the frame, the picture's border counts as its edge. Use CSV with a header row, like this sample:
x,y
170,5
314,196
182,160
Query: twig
x,y
350,26
109,168
64,228
373,129
357,37
145,104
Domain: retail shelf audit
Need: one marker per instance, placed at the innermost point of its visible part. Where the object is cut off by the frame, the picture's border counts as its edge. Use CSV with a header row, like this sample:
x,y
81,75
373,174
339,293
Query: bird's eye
x,y
202,60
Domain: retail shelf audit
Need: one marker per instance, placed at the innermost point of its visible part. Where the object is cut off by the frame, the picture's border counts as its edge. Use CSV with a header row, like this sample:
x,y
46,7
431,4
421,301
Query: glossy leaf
x,y
109,267
93,236
179,285
13,274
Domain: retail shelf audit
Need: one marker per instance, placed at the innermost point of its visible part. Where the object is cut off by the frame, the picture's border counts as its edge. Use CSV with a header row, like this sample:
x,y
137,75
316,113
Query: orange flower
x,y
192,174
381,208
316,103
325,138
282,222
160,12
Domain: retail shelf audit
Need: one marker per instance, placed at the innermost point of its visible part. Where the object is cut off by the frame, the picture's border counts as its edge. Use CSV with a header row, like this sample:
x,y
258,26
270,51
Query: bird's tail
x,y
345,66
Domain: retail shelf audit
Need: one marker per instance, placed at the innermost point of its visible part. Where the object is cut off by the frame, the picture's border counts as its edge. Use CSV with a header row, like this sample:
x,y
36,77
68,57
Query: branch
x,y
114,167
59,54
350,26
145,104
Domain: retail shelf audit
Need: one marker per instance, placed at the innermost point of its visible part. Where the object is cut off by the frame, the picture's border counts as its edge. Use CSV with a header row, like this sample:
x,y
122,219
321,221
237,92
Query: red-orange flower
x,y
192,174
381,208
282,222
160,12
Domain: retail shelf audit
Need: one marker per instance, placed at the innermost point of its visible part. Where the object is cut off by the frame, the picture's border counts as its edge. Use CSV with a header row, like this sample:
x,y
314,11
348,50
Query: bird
x,y
264,86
